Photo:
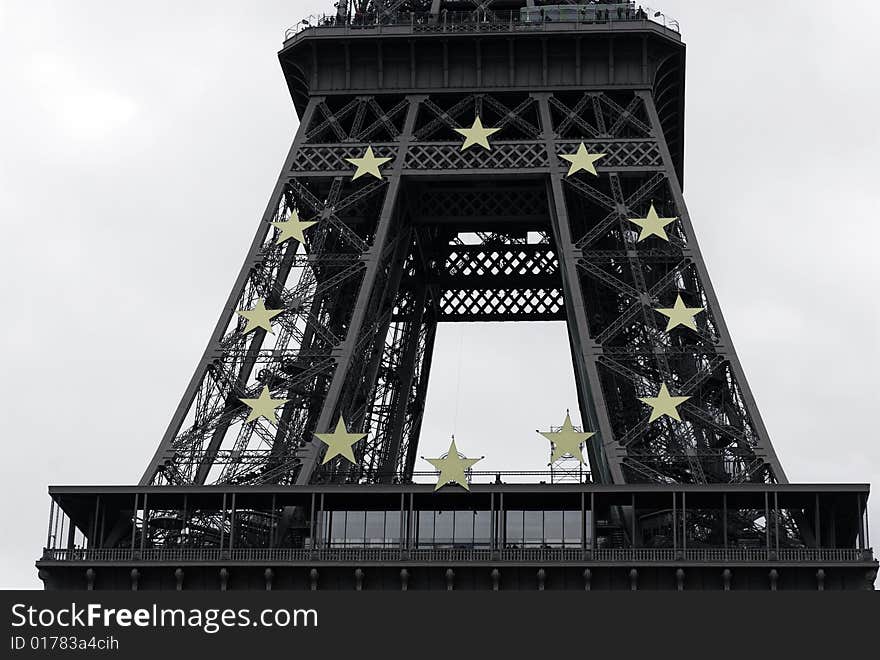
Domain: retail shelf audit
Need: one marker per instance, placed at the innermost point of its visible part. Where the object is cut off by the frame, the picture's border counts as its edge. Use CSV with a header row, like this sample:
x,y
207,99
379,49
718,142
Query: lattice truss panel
x,y
394,393
342,128
314,285
354,8
362,7
500,277
386,365
492,259
361,119
460,247
623,281
515,146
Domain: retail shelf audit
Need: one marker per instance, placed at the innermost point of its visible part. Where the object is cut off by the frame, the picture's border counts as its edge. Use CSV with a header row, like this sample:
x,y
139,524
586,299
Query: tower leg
x,y
164,451
374,258
584,351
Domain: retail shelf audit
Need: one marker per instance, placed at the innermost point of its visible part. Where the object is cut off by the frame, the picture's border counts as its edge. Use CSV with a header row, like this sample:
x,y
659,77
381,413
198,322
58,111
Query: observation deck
x,y
512,49
555,18
497,535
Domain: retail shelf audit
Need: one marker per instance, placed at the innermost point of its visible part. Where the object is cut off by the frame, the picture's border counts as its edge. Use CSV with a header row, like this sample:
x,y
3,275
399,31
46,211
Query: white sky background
x,y
139,142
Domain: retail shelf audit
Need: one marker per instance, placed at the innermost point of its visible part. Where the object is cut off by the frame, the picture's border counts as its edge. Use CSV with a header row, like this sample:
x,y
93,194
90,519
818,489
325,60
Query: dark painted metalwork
x,y
475,235
512,530
451,235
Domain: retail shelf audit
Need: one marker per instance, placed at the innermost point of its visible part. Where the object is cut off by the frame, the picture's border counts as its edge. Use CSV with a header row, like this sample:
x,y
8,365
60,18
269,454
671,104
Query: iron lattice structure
x,y
448,234
452,235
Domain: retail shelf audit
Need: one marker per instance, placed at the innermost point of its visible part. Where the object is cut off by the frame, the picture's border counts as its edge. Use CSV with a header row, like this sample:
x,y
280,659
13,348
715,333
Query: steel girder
x,y
452,234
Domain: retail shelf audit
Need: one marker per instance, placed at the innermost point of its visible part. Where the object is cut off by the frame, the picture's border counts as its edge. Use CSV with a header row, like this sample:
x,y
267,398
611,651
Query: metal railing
x,y
462,555
531,555
473,477
447,555
481,21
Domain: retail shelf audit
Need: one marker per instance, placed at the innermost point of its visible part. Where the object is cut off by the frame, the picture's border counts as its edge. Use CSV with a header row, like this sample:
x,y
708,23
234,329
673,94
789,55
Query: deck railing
x,y
481,21
461,555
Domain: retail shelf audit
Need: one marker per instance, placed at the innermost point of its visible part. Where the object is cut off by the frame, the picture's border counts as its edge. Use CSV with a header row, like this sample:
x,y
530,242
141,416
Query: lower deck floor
x,y
230,575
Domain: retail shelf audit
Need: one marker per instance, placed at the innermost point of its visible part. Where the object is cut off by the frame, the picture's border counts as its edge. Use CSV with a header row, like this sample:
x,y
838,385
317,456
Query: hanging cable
x,y
458,379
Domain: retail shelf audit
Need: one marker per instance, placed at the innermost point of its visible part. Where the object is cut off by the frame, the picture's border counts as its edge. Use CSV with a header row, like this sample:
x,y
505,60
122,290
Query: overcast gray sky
x,y
139,142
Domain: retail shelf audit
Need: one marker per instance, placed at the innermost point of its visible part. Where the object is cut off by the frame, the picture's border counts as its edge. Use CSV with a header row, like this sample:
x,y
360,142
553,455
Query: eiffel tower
x,y
460,161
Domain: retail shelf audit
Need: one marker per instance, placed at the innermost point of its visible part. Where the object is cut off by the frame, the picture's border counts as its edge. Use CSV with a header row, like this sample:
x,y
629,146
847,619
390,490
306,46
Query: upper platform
x,y
496,46
473,16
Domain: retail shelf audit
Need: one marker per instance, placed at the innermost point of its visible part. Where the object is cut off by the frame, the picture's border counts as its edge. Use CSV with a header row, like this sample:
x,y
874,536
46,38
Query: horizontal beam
x,y
500,317
479,488
425,556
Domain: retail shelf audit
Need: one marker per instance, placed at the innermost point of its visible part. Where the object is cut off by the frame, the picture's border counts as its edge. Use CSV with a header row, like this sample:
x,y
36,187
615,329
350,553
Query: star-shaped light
x,y
653,225
664,404
369,163
680,315
259,317
263,406
567,441
582,160
293,227
452,468
476,134
340,442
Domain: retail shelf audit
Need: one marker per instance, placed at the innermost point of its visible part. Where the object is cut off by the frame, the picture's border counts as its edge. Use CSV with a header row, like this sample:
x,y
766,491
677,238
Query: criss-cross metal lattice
x,y
453,234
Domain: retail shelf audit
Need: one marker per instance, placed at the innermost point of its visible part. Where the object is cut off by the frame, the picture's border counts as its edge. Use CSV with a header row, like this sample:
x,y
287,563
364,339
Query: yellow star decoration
x,y
259,317
452,468
293,227
680,315
664,404
567,441
653,225
369,163
340,442
582,160
264,406
476,134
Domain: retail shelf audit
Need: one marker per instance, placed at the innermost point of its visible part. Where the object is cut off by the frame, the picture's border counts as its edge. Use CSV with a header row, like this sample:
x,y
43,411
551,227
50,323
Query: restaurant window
x,y
426,529
572,528
354,527
514,528
392,528
553,529
443,528
375,528
361,528
533,533
482,529
464,529
535,529
460,529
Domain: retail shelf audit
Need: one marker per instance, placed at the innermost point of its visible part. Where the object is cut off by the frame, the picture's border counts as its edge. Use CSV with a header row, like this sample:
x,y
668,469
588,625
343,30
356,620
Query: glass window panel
x,y
464,528
482,529
532,528
375,528
589,528
392,527
443,528
323,527
514,529
336,527
553,528
426,528
354,527
572,528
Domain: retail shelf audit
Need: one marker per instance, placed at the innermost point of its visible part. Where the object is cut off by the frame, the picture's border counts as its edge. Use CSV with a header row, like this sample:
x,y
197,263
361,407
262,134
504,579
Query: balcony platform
x,y
497,535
